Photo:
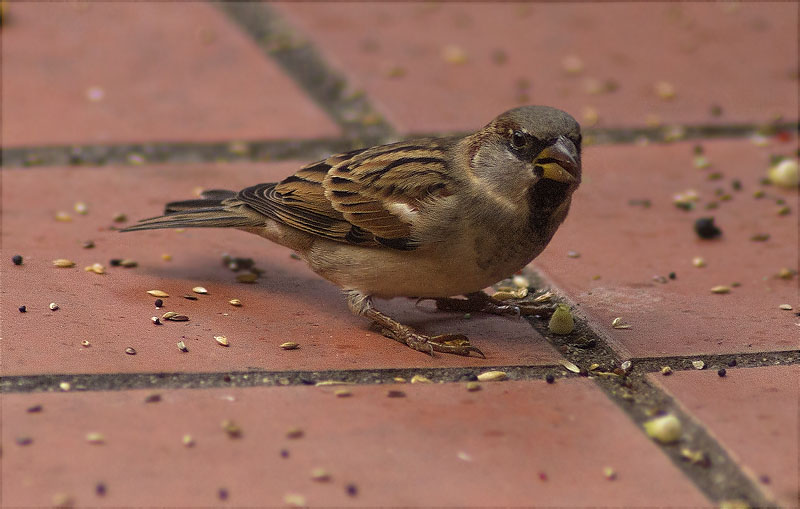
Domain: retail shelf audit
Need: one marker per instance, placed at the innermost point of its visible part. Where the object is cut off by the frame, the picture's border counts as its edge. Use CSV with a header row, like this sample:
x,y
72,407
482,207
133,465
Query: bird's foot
x,y
480,302
457,344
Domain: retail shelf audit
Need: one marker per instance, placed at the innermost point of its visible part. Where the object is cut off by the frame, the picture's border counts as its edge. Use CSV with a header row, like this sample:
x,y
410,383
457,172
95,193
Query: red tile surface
x,y
754,414
439,446
627,245
113,311
167,72
698,48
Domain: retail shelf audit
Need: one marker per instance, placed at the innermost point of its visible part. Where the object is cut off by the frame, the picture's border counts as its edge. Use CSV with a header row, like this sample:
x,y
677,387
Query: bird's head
x,y
531,152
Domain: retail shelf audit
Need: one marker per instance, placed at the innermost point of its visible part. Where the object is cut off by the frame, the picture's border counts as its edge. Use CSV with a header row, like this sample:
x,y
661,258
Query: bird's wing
x,y
367,197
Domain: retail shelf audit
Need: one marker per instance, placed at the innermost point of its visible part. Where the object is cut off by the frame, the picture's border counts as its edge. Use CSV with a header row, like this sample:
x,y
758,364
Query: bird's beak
x,y
559,161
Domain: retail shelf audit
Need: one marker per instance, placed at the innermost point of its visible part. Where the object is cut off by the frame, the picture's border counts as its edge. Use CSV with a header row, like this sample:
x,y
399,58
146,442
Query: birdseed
x,y
222,340
666,370
721,289
289,345
189,297
395,394
152,398
130,351
128,263
85,343
231,428
492,376
568,365
343,393
235,302
698,364
88,244
158,293
294,433
119,217
168,315
16,259
247,278
97,268
294,500
155,320
698,262
545,297
182,346
722,372
320,475
561,322
53,306
187,441
549,378
159,303
95,437
199,289
609,473
177,318
23,309
785,307
65,386
166,257
63,217
34,409
617,323
473,386
665,429
419,379
63,263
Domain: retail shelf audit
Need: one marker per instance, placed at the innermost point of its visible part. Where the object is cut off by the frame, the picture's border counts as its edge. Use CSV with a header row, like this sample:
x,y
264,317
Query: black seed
x,y
34,409
222,494
550,378
736,184
764,479
706,229
226,378
17,259
22,309
284,453
100,489
721,372
351,489
153,398
159,303
114,262
672,275
732,363
24,440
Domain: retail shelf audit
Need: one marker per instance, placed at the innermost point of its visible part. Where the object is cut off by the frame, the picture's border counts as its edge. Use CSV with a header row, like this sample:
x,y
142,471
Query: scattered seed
x,y
235,302
572,64
419,379
721,289
294,433
155,320
159,303
119,217
128,263
561,322
665,90
626,366
666,370
549,378
570,366
130,351
100,489
152,398
231,428
395,394
785,174
734,504
168,315
492,376
23,309
23,441
545,297
63,217
593,366
399,379
166,257
351,490
63,500
573,254
722,372
63,263
320,475
609,473
324,383
222,340
507,294
88,244
783,211
178,318
706,229
85,343
53,306
200,290
520,281
294,500
786,273
343,393
247,278
97,268
473,386
696,457
454,54
158,293
17,259
785,307
701,162
95,437
617,323
182,346
188,440
65,386
189,297
665,429
34,409
289,345
698,262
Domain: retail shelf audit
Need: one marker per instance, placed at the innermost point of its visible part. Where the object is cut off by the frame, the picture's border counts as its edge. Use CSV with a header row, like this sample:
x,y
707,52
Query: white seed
x,y
158,293
97,268
419,379
721,289
130,351
665,429
698,364
698,262
235,302
81,208
63,263
53,306
492,376
626,365
63,217
168,315
64,386
785,174
520,282
200,290
182,346
785,307
95,437
222,340
289,345
561,322
570,366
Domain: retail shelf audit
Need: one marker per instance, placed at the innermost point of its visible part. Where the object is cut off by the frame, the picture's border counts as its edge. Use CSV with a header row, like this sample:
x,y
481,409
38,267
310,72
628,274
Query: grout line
x,y
135,154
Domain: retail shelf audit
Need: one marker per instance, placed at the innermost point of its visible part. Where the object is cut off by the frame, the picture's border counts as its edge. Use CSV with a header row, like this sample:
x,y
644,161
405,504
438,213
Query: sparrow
x,y
430,218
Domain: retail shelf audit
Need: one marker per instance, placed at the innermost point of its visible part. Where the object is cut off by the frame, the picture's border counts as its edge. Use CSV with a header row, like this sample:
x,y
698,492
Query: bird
x,y
437,218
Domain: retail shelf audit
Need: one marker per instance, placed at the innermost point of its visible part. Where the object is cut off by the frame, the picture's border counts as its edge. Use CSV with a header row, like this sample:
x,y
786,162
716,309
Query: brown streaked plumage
x,y
432,217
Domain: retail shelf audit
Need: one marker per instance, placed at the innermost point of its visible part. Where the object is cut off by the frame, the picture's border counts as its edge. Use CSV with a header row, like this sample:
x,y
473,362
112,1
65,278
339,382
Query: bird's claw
x,y
457,344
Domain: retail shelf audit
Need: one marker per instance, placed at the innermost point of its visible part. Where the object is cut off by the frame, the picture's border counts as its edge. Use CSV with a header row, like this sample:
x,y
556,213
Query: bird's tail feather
x,y
207,212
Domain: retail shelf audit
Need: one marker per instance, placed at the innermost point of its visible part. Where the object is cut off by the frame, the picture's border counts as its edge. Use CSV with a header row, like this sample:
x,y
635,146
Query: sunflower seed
x,y
289,345
130,351
222,340
168,315
570,366
63,263
158,293
182,346
235,302
492,376
200,290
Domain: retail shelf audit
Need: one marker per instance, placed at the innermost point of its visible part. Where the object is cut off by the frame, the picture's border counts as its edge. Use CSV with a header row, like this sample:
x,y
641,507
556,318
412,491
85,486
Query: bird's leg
x,y
457,344
481,302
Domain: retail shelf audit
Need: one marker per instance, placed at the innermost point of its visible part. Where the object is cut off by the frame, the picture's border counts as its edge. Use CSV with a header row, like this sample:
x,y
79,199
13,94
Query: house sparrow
x,y
428,218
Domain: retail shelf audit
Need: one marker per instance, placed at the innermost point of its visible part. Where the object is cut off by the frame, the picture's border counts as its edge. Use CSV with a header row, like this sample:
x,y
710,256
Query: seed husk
x,y
617,323
570,366
182,346
593,366
63,263
235,302
177,318
666,370
320,475
130,351
85,343
88,244
324,383
158,293
189,297
166,257
492,376
561,322
419,379
545,297
665,429
222,340
155,320
199,289
95,437
294,433
53,306
247,278
168,315
187,440
289,345
231,428
696,457
473,386
97,268
511,293
128,263
119,217
721,289
785,307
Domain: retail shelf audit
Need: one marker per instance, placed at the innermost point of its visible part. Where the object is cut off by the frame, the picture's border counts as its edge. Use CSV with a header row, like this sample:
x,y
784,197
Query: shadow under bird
x,y
429,218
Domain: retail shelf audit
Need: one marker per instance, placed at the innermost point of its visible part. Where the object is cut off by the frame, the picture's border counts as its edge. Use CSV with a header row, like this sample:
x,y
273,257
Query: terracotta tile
x,y
754,414
627,245
113,311
502,56
106,72
416,450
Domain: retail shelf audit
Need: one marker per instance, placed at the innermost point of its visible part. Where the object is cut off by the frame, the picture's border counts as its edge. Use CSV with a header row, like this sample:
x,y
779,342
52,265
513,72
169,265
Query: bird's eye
x,y
518,139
